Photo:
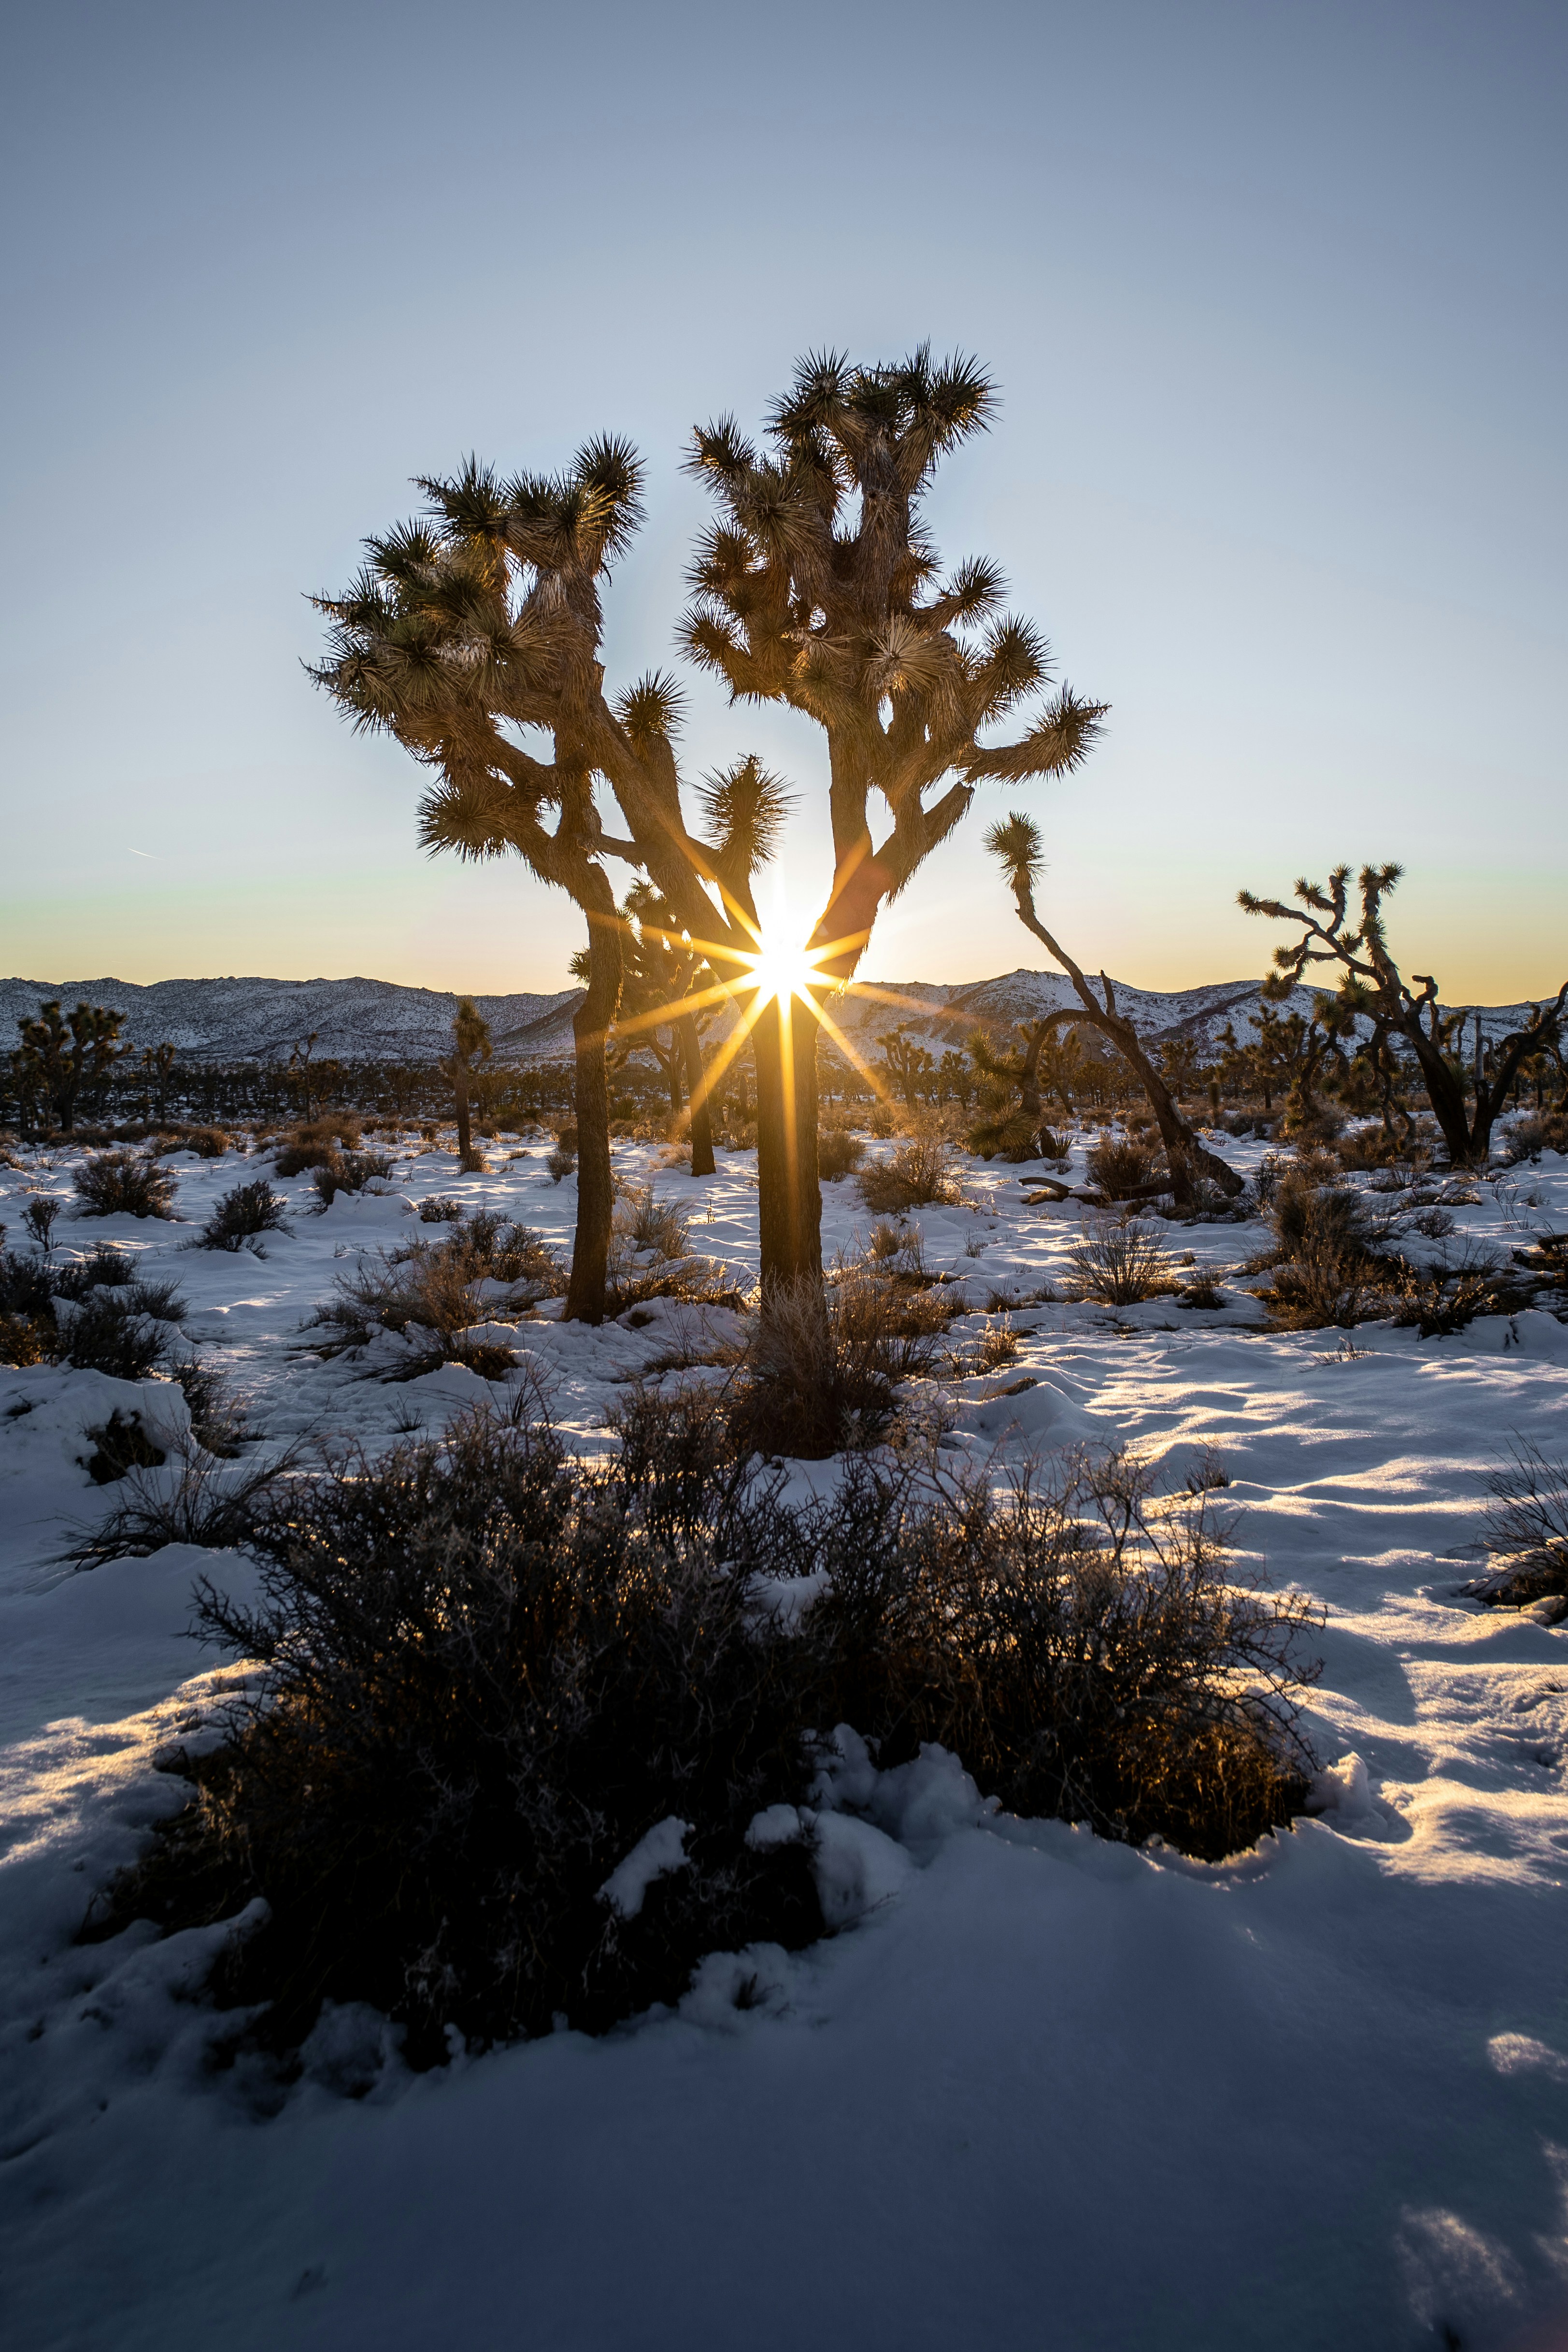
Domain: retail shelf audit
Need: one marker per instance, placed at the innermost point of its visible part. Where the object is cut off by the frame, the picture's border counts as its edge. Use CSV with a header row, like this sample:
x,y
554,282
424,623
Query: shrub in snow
x,y
198,1499
432,1293
348,1171
917,1175
534,1736
1528,1525
241,1214
124,1184
1122,1166
838,1153
821,1369
491,1672
316,1142
1119,1265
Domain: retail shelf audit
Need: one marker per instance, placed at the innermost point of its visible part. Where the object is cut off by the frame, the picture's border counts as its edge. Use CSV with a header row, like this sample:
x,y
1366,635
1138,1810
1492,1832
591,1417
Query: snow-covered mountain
x,y
375,1019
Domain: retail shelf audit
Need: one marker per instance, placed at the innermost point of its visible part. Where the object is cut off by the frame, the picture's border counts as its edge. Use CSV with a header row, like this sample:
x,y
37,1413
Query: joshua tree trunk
x,y
789,1193
460,1092
596,1193
702,1160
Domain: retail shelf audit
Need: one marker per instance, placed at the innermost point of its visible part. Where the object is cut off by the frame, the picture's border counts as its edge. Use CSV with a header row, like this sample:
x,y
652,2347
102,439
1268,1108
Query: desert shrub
x,y
917,1175
120,1443
1304,1210
1439,1300
1085,1646
241,1214
207,1142
492,1675
348,1171
442,1209
314,1144
1528,1137
560,1162
1122,1165
1326,1284
198,1499
1434,1224
838,1153
1201,1290
430,1294
1119,1265
995,1347
644,1223
519,1712
102,1266
124,1184
823,1366
1527,1531
473,1162
40,1214
125,1330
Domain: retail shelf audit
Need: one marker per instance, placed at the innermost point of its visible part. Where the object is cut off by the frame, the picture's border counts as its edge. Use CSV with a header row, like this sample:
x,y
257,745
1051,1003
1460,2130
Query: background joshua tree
x,y
1015,846
157,1063
58,1059
904,1064
1372,990
1012,1129
470,1047
819,587
667,986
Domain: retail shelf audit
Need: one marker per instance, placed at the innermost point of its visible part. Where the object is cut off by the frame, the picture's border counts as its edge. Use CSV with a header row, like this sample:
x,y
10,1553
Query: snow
x,y
1036,2088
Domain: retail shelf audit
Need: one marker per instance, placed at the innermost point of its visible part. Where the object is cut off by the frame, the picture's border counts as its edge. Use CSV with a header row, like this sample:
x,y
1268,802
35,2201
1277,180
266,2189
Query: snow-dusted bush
x,y
918,1174
520,1713
1119,1265
1123,1165
433,1293
838,1153
1528,1526
316,1142
124,1184
348,1171
643,1222
241,1214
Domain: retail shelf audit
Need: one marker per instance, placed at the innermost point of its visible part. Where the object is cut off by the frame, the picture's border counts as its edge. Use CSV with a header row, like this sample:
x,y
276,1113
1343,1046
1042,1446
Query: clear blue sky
x,y
1274,294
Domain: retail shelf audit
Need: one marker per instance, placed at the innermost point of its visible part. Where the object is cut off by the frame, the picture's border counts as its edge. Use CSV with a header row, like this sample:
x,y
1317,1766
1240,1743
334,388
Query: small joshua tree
x,y
1012,1129
470,1047
59,1059
1372,990
905,1063
1015,846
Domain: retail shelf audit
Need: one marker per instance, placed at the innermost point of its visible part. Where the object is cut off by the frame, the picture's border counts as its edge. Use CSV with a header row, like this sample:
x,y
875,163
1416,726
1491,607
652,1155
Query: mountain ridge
x,y
239,1019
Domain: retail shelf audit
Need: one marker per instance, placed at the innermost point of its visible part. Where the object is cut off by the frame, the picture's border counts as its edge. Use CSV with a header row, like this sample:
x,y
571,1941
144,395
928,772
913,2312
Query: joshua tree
x,y
904,1064
470,1047
1015,846
157,1062
59,1058
1372,990
299,1067
1013,1132
669,986
819,587
484,619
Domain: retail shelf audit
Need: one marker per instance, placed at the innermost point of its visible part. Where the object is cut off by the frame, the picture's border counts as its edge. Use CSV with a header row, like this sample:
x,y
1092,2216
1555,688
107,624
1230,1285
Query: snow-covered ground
x,y
1041,2091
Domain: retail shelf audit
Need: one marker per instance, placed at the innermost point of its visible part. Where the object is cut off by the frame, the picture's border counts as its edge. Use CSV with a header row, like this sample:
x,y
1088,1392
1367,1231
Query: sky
x,y
1273,294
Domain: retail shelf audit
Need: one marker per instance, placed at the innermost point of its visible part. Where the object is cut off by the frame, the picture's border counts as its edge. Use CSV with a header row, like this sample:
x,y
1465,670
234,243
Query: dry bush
x,y
1527,1524
823,1365
1122,1166
1537,1132
313,1145
644,1223
198,1500
473,1162
1119,1265
838,1153
207,1142
1085,1647
1326,1286
995,1347
348,1171
124,1184
240,1215
1439,1300
917,1175
491,1672
430,1294
442,1209
561,1164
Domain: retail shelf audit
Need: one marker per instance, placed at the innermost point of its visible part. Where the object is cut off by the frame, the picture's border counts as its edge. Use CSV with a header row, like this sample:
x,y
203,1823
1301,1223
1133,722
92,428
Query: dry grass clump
x,y
644,1224
124,1184
917,1175
1119,1265
561,1161
1537,1132
348,1171
442,1209
199,1498
1122,1166
838,1153
207,1142
519,1714
1527,1525
241,1215
823,1364
314,1143
1439,1300
430,1294
992,1350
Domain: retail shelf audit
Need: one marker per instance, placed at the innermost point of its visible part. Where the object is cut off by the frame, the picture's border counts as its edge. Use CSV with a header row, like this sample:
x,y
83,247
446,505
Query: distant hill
x,y
229,1021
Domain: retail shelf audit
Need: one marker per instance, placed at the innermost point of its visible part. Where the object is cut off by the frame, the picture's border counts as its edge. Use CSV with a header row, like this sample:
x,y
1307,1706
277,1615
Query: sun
x,y
783,966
